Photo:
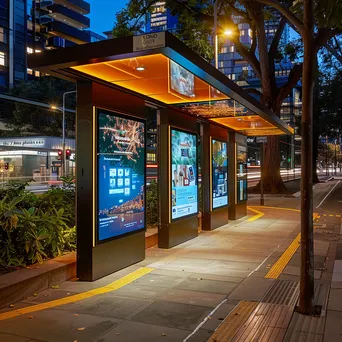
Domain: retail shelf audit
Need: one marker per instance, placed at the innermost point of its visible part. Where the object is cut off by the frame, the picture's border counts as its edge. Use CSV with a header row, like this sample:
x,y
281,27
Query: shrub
x,y
36,227
152,203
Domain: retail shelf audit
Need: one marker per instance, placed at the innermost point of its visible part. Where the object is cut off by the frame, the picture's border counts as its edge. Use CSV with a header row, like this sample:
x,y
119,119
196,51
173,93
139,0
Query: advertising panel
x,y
121,175
219,173
183,174
182,81
241,173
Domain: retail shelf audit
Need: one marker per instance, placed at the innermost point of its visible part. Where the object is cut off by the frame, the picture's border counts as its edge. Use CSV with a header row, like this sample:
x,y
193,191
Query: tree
x,y
195,29
317,23
31,119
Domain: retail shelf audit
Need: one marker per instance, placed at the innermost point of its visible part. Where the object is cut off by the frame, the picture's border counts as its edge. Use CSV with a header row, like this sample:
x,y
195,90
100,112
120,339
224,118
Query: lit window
x,y
29,50
37,73
2,58
29,71
3,37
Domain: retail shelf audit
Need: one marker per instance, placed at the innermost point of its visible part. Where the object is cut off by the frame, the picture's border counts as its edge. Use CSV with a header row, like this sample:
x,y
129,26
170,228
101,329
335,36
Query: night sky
x,y
102,14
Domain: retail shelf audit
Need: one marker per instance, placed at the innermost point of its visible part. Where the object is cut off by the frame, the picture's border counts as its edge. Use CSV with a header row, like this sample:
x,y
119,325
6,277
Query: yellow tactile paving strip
x,y
75,298
255,217
233,322
281,263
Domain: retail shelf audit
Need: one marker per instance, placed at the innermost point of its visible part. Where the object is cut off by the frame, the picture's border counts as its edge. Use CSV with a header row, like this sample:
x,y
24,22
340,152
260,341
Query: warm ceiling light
x,y
140,68
228,32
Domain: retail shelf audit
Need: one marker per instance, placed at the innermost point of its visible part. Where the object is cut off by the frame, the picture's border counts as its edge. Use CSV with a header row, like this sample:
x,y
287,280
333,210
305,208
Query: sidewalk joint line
x,y
328,194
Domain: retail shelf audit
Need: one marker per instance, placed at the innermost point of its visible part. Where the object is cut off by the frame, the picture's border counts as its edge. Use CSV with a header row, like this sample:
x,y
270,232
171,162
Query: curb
x,y
18,285
23,283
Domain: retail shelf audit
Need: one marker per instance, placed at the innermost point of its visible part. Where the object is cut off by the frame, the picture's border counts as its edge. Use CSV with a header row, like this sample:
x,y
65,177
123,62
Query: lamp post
x,y
226,33
63,129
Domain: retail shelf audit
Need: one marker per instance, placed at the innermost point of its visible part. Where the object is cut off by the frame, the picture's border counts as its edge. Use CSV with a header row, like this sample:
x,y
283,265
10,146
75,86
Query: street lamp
x,y
63,128
226,32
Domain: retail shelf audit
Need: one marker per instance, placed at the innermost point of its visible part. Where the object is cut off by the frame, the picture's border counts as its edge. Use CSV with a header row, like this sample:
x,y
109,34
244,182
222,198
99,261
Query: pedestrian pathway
x,y
212,288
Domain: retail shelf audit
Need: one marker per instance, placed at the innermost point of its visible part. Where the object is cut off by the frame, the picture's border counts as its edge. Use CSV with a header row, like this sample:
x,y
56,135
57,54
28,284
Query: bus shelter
x,y
203,119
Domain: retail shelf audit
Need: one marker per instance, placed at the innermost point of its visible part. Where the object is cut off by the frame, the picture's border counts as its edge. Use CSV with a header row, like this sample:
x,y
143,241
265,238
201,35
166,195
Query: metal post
x,y
262,151
335,158
326,156
215,36
63,138
63,134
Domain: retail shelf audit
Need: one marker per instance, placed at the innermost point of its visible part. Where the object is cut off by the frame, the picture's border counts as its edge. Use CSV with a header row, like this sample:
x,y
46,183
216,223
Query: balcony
x,y
65,31
68,16
79,6
57,42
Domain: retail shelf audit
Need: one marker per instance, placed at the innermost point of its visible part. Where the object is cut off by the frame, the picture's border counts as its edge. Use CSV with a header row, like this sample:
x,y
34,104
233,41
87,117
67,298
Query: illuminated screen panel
x,y
241,173
184,188
182,81
121,175
219,173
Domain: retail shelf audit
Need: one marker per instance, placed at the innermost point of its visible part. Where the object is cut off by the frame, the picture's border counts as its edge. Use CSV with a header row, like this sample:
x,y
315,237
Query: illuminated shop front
x,y
34,157
198,146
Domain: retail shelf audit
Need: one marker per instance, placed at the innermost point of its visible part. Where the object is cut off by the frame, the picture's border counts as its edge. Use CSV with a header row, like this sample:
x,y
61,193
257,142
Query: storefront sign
x,y
261,140
219,173
121,175
23,143
149,41
184,200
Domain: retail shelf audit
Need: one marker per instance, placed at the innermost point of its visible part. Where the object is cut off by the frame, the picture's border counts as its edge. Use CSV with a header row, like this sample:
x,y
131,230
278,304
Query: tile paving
x,y
188,283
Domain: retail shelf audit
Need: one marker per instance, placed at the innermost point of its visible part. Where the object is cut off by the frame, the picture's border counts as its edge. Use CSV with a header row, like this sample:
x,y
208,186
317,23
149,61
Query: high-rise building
x,y
160,18
33,25
13,31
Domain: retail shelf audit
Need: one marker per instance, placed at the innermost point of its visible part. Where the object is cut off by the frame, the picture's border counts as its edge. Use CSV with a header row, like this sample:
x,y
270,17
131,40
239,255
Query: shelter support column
x,y
215,210
172,232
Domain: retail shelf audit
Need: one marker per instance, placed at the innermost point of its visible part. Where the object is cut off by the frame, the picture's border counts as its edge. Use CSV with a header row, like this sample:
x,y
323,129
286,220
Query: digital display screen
x,y
241,163
183,174
219,173
121,175
242,190
182,81
241,173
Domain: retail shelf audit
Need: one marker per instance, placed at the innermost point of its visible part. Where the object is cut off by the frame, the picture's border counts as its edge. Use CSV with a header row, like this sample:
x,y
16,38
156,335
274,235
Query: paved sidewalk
x,y
212,288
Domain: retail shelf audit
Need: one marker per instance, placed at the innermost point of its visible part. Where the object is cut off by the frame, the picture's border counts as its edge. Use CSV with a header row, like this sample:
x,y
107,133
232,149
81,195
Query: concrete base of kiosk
x,y
112,256
175,233
215,219
238,210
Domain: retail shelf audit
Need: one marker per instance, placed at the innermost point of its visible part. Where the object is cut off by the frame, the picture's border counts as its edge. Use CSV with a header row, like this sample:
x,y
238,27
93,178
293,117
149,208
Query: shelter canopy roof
x,y
170,74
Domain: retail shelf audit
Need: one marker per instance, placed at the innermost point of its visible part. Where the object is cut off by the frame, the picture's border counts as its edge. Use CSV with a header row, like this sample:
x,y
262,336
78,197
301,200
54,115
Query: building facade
x,y
34,25
13,32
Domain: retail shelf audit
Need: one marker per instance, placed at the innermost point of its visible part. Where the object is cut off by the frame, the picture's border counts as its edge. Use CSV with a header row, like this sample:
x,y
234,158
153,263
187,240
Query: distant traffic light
x,y
289,160
67,154
60,154
6,166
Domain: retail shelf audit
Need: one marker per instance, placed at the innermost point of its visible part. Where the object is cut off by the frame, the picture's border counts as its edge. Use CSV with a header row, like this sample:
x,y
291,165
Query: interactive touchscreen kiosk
x,y
121,176
219,174
184,189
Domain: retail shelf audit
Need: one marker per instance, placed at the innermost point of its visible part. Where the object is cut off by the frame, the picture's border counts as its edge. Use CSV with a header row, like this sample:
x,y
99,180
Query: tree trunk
x,y
273,183
306,298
